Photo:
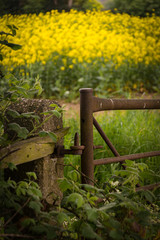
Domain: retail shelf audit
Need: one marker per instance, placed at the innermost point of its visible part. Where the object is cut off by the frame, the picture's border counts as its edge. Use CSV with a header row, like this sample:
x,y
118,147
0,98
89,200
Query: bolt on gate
x,y
90,104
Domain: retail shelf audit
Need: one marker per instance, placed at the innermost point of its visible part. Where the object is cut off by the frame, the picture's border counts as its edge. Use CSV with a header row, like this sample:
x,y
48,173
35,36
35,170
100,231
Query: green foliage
x,y
135,7
108,213
37,6
104,77
21,209
4,42
85,211
87,5
13,91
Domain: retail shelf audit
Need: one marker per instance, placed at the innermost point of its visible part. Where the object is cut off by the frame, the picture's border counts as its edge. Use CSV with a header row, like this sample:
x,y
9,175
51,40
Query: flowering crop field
x,y
102,50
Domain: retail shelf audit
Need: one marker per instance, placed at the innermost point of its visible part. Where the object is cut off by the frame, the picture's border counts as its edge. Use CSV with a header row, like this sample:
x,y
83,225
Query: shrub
x,y
136,7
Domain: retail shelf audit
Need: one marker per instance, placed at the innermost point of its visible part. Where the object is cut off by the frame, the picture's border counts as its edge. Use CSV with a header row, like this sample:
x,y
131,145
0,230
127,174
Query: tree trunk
x,y
70,3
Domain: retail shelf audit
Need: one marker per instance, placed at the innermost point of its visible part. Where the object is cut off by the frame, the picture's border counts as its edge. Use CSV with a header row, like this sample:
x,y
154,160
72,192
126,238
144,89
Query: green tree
x,y
134,7
37,6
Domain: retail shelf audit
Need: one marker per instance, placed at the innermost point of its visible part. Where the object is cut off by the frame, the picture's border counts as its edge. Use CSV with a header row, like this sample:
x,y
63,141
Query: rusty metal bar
x,y
126,157
101,104
105,138
90,104
148,187
86,125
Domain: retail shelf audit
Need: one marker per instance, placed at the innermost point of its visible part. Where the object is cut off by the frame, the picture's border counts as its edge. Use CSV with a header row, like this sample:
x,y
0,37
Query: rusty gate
x,y
89,105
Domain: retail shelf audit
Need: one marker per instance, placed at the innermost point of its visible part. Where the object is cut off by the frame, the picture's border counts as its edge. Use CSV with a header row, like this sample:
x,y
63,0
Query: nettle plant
x,y
116,210
16,91
20,203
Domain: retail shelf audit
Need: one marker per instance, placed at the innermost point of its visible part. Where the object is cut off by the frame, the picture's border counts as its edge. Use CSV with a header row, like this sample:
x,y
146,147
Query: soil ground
x,y
71,110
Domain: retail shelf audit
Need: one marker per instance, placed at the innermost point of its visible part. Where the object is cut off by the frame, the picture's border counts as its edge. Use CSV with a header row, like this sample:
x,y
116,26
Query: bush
x,y
135,7
37,6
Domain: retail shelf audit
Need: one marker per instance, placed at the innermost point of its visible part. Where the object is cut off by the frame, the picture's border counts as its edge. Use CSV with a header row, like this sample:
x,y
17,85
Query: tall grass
x,y
129,131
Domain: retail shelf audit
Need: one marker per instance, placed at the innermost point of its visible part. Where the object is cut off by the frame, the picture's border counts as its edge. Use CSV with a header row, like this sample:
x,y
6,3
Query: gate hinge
x,y
60,150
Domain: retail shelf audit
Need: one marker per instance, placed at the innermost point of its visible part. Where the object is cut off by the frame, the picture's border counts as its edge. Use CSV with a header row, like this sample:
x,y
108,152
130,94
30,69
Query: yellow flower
x,y
82,37
70,66
62,68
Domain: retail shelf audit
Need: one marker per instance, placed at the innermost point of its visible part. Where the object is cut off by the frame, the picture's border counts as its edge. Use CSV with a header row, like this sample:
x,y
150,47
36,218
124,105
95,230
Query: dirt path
x,y
71,110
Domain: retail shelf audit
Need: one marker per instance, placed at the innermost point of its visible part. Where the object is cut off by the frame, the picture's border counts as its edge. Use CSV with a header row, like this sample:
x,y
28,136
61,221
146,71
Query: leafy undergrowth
x,y
119,210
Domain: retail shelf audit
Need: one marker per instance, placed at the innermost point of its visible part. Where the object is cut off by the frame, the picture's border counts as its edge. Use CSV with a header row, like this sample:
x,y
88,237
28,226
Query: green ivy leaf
x,y
54,112
20,90
54,105
107,206
30,115
93,199
62,217
21,190
92,214
142,166
13,113
11,45
150,197
13,28
50,134
76,198
12,183
39,228
34,192
31,174
38,86
88,232
36,206
4,33
28,221
64,184
90,188
74,175
11,166
22,132
115,234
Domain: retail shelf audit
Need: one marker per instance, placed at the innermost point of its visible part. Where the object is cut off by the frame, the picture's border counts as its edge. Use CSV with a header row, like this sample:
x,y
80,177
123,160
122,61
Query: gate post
x,y
86,126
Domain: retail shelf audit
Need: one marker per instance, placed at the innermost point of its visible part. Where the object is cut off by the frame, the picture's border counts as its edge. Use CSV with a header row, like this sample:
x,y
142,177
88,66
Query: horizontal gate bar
x,y
101,104
148,187
126,157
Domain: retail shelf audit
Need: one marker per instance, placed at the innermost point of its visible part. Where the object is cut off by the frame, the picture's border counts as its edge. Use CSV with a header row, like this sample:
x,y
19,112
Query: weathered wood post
x,y
47,169
86,125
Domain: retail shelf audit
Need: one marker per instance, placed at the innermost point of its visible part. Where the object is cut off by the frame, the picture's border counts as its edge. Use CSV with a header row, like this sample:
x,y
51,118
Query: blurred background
x,y
134,7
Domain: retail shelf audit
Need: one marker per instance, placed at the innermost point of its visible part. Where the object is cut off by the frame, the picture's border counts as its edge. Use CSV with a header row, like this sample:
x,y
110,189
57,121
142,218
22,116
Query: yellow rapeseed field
x,y
84,37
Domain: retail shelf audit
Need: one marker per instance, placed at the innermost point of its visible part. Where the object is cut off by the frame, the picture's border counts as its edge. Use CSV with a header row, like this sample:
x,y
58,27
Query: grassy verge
x,y
130,132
